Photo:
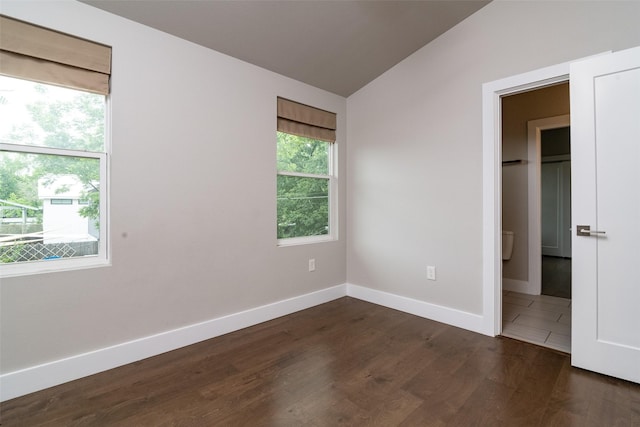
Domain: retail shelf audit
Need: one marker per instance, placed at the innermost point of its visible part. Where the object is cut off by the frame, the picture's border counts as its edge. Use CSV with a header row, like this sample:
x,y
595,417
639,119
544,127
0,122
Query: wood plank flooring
x,y
348,363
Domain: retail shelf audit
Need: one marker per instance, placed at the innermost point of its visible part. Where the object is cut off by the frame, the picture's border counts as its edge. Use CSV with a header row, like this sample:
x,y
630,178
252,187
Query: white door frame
x,y
492,182
535,128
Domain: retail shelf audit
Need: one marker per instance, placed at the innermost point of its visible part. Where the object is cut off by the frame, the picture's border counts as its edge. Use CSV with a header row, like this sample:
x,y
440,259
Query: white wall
x,y
193,135
415,142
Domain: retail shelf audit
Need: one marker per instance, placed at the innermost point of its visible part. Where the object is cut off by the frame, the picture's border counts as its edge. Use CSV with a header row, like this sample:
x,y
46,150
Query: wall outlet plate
x,y
431,272
312,264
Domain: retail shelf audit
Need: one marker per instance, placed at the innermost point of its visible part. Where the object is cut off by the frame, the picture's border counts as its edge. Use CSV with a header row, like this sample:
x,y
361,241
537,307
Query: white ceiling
x,y
338,45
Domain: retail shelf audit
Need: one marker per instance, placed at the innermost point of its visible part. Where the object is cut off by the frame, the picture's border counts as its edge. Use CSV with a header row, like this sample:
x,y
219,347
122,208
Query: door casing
x,y
492,93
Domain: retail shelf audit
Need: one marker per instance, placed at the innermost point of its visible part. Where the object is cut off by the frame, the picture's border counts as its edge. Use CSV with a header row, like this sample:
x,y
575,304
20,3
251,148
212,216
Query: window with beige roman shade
x,y
306,182
54,151
39,54
303,120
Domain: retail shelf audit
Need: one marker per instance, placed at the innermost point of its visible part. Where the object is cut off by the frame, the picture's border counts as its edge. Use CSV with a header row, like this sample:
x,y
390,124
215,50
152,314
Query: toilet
x,y
507,245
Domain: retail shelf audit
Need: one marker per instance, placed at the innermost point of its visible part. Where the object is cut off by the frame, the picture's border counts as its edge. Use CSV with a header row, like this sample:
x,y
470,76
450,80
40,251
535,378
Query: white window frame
x,y
102,258
333,197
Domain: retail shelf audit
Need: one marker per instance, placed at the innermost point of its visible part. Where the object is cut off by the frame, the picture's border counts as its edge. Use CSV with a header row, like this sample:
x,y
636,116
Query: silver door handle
x,y
585,230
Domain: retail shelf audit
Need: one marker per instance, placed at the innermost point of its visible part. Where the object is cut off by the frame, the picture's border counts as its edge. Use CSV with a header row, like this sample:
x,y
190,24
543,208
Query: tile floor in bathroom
x,y
538,319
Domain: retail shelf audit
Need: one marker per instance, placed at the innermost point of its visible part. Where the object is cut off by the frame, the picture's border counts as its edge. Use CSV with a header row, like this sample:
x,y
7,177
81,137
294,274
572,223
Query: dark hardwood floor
x,y
346,362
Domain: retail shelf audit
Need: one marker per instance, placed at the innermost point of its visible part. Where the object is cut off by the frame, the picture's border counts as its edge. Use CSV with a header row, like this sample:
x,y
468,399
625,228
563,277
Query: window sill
x,y
296,241
51,266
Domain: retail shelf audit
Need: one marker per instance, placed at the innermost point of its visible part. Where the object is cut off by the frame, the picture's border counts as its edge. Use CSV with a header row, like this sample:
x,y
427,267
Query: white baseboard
x,y
450,316
29,380
514,285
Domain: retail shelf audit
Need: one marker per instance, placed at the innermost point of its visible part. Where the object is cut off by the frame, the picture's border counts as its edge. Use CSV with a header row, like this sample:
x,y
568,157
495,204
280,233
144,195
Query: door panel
x,y
605,146
555,209
551,208
618,205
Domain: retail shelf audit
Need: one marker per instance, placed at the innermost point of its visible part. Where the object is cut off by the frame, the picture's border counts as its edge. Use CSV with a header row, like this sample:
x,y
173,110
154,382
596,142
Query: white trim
x,y
305,240
535,128
29,380
28,268
304,175
52,151
34,378
461,319
520,286
492,181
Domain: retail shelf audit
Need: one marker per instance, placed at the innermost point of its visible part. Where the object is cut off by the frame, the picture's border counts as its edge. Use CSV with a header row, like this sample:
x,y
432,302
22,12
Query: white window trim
x,y
103,258
333,204
304,175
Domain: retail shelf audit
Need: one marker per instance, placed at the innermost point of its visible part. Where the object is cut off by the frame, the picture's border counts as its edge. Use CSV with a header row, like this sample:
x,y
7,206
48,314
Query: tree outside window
x,y
52,149
304,186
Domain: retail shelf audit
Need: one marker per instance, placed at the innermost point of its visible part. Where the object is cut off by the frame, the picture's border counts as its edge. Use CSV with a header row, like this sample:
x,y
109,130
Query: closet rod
x,y
512,162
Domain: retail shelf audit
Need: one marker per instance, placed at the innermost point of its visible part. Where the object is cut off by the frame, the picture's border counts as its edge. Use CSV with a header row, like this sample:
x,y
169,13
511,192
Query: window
x,y
53,150
305,178
61,201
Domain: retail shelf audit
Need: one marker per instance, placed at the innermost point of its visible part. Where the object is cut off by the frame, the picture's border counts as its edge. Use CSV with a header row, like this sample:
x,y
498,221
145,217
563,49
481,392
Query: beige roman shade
x,y
302,120
47,56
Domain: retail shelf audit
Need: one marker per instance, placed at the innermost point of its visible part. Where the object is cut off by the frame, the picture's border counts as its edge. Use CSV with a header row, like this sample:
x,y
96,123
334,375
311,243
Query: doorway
x,y
555,207
536,190
604,156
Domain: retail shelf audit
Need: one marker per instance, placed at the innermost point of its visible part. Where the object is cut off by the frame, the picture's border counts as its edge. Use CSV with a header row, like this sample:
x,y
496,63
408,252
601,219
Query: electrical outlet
x,y
431,272
312,264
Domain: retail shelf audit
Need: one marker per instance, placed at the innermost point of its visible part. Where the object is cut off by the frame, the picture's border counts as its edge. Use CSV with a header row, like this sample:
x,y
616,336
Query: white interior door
x,y
605,148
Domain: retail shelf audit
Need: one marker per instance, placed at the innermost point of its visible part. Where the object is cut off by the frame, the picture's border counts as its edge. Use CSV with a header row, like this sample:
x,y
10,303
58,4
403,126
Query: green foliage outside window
x,y
75,122
303,201
40,115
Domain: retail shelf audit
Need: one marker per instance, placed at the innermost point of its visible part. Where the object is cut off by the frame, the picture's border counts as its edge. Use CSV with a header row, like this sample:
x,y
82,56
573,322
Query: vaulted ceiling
x,y
339,45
